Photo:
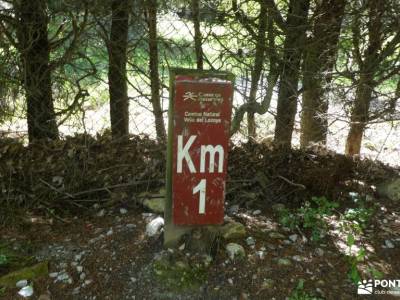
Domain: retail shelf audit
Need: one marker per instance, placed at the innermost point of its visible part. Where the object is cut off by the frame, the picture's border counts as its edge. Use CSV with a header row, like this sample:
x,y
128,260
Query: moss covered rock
x,y
156,205
29,273
179,273
233,230
390,189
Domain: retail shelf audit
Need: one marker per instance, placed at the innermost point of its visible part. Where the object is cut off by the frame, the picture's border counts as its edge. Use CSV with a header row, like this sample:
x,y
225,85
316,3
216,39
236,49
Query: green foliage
x,y
360,215
354,221
375,273
354,261
10,260
179,275
299,294
3,260
310,216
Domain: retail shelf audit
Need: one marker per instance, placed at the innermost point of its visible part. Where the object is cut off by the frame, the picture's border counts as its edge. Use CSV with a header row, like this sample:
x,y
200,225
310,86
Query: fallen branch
x,y
299,185
110,187
54,188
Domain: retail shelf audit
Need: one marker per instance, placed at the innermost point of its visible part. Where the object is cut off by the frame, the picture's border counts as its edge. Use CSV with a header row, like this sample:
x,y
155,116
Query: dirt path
x,y
108,256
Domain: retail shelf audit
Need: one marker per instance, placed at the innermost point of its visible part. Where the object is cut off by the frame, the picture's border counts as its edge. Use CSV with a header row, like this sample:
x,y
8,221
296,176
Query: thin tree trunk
x,y
319,58
117,47
293,48
35,56
272,78
154,76
366,84
257,69
197,34
359,115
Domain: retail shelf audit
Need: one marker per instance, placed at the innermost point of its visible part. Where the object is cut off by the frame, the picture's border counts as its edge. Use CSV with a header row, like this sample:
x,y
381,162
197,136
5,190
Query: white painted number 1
x,y
201,187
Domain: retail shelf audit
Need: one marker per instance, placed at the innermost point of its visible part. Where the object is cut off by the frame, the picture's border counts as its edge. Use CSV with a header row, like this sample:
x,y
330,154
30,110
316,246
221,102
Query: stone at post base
x,y
173,234
202,239
197,239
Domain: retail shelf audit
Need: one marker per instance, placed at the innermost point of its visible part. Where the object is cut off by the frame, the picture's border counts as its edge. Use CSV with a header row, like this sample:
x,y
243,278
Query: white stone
x,y
235,250
63,277
88,281
21,283
234,209
154,226
250,241
26,291
297,258
319,252
78,257
261,254
389,244
123,211
293,237
101,213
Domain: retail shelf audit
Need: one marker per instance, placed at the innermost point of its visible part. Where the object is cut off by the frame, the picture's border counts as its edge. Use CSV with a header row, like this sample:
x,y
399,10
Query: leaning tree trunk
x,y
292,48
257,69
117,47
35,56
154,76
366,83
319,59
197,34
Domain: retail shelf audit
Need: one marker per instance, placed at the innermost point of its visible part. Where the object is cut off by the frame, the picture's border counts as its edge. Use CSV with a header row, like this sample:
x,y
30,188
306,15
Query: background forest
x,y
313,179
306,71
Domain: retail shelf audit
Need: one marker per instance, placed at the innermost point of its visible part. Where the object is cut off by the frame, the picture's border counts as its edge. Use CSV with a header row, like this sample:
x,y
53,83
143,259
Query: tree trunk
x,y
366,84
292,51
359,115
319,58
197,34
35,55
154,76
117,47
257,69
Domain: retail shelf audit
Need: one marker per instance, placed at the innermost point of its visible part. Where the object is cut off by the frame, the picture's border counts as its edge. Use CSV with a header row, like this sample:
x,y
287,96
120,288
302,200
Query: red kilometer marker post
x,y
199,145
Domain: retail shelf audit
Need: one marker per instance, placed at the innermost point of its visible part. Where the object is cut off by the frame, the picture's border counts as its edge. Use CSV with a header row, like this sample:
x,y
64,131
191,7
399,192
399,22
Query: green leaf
x,y
375,273
354,274
350,240
361,254
300,284
3,260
